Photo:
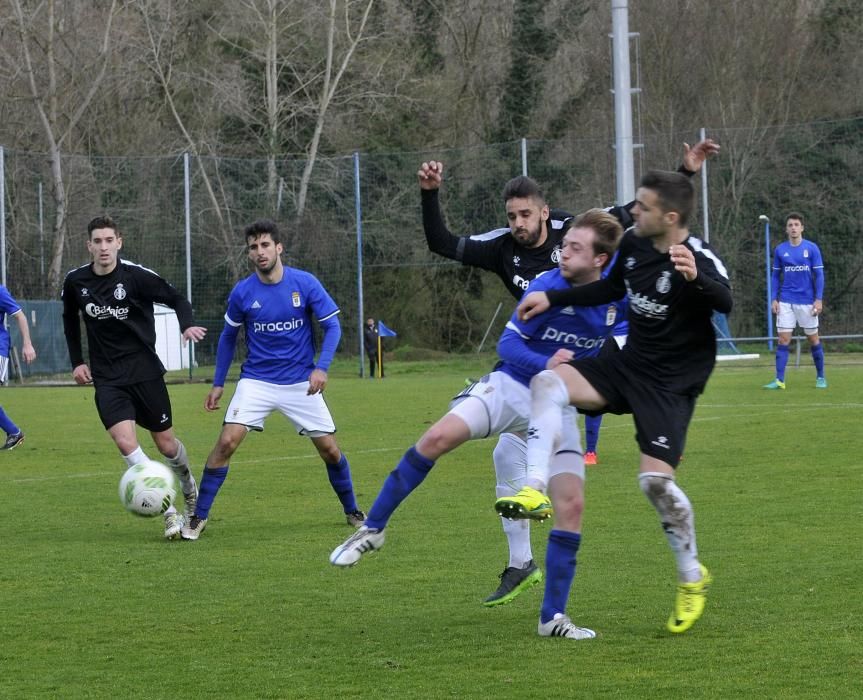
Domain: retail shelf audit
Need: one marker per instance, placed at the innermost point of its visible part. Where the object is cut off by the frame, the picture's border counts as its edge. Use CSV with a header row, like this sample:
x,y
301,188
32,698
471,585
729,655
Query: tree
x,y
63,77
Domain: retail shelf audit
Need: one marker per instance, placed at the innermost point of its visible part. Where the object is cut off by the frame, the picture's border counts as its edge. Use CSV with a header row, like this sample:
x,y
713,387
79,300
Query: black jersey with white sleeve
x,y
497,251
671,338
117,310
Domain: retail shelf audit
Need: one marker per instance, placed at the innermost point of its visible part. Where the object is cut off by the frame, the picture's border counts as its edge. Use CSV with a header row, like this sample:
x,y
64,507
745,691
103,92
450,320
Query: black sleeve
x,y
593,294
161,292
715,290
482,252
72,325
438,237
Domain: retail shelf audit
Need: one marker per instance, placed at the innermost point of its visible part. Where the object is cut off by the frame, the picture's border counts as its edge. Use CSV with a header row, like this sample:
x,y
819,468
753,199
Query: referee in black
x,y
115,299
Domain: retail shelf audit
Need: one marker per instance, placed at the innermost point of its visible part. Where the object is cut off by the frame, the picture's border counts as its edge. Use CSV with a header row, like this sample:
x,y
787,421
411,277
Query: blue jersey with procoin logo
x,y
802,273
582,329
277,319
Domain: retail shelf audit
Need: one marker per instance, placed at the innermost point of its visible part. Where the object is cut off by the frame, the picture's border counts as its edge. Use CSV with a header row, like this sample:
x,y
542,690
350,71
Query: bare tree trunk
x,y
49,117
165,83
272,97
331,84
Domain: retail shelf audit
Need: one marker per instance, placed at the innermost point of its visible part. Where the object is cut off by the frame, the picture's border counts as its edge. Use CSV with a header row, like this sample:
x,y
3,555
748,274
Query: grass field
x,y
93,603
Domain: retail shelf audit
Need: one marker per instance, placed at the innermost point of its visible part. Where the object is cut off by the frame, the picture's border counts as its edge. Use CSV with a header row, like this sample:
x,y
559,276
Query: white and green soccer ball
x,y
148,488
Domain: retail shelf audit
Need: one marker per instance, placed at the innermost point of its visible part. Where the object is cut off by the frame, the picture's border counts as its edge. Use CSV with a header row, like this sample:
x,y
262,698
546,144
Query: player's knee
x,y
166,443
548,385
436,441
568,505
655,485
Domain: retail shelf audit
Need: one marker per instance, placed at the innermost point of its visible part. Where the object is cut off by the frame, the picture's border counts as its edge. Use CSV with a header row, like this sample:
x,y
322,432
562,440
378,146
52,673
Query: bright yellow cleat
x,y
527,504
689,605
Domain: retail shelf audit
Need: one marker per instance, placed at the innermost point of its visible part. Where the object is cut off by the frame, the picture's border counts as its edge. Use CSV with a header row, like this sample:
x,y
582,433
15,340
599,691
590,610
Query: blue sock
x,y
818,358
591,431
211,482
340,479
408,474
781,361
559,572
11,429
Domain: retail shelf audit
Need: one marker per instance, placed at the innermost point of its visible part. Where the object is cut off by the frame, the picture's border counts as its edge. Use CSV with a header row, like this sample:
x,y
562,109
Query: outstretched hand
x,y
430,175
194,333
532,304
694,156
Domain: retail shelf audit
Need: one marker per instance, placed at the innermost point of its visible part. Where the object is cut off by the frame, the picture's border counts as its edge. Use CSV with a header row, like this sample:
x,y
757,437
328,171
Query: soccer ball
x,y
148,488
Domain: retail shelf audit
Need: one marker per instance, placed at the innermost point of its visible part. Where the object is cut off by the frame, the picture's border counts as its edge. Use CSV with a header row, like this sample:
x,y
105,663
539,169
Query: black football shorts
x,y
661,417
147,403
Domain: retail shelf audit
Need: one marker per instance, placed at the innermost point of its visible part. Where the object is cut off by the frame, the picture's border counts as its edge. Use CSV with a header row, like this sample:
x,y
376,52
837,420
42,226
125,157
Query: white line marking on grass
x,y
118,472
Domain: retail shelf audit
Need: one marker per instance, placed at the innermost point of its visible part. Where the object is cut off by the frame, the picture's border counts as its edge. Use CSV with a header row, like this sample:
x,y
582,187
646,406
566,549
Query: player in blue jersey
x,y
797,301
10,307
275,306
499,402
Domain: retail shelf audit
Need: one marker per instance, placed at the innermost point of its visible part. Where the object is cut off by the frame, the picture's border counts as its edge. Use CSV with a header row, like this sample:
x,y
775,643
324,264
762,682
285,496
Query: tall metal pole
x,y
358,209
41,236
766,220
623,144
187,204
706,224
524,157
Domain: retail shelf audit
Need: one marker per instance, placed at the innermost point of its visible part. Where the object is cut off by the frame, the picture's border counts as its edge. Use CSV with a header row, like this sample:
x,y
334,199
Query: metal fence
x,y
361,233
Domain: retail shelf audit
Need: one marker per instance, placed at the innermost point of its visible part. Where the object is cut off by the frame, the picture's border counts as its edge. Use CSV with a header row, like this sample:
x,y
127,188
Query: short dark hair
x,y
607,228
260,227
104,221
794,215
522,186
675,192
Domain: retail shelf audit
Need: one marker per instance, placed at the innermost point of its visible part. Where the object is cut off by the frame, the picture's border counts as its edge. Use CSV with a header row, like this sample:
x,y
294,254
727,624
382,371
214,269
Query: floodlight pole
x,y
624,162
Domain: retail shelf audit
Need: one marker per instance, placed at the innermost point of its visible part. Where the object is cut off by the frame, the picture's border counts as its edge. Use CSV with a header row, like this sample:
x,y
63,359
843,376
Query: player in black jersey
x,y
115,299
674,282
517,255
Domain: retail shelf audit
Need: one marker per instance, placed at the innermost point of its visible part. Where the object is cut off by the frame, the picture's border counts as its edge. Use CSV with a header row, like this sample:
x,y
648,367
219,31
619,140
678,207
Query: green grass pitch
x,y
95,604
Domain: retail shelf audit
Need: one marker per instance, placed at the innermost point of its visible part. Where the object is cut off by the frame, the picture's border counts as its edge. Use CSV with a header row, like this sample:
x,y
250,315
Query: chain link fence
x,y
360,230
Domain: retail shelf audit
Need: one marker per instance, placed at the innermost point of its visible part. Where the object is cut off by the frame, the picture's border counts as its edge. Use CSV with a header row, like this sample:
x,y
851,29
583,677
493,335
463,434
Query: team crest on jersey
x,y
295,299
805,253
119,293
85,292
555,256
611,315
630,263
663,284
516,260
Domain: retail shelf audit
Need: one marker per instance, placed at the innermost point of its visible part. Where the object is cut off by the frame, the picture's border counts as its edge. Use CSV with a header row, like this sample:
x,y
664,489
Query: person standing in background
x,y
797,301
370,341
